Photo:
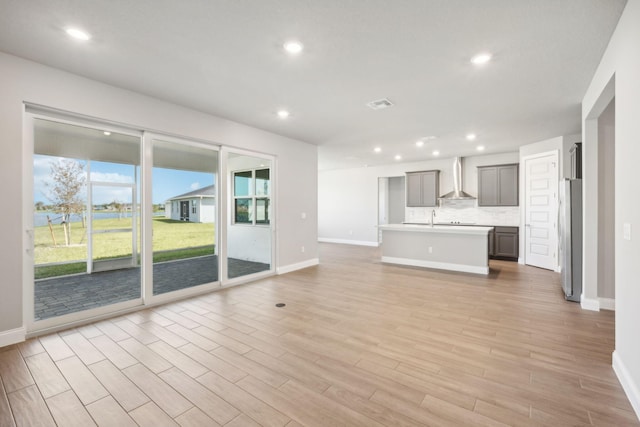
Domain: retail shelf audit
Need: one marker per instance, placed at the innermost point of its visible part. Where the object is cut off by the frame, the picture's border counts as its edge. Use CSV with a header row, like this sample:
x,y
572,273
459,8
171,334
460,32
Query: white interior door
x,y
541,210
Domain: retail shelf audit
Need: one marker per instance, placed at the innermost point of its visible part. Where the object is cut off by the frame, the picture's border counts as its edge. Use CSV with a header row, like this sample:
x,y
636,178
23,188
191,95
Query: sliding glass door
x,y
113,229
124,218
184,221
85,221
250,222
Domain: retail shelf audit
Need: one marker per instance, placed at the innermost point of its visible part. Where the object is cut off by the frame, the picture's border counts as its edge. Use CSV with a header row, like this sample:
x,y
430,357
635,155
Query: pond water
x,y
40,218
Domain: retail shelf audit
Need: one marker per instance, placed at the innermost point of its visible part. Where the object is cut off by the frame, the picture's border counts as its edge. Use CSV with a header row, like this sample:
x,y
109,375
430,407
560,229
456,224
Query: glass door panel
x,y
184,216
113,228
77,172
249,233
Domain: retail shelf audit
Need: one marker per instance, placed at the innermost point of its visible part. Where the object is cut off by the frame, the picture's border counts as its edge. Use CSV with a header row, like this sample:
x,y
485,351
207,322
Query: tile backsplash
x,y
466,211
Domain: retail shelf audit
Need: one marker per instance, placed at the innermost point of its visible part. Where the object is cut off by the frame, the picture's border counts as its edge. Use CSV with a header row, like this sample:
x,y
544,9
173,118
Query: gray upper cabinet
x,y
423,188
498,185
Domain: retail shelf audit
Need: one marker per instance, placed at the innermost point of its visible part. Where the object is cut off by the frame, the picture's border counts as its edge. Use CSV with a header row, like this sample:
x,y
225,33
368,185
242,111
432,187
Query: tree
x,y
39,206
67,183
119,207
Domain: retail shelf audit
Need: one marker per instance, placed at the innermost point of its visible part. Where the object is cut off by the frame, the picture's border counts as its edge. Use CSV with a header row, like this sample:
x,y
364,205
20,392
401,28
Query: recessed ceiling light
x,y
78,34
293,47
480,148
398,157
377,149
436,153
106,132
471,136
481,58
419,143
283,114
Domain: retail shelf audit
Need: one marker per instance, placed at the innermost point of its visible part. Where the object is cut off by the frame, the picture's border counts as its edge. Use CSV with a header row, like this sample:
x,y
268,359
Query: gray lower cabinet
x,y
492,243
503,243
423,188
498,185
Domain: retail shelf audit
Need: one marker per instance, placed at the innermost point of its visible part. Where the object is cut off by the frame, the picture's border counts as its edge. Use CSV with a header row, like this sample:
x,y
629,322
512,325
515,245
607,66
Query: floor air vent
x,y
379,104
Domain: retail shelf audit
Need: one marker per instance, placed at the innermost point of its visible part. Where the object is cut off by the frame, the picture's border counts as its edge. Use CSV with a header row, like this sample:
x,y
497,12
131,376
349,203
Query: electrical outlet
x,y
430,249
351,232
302,249
626,231
303,215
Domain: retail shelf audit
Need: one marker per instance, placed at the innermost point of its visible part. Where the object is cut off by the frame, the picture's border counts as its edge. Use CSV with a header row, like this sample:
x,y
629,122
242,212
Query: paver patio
x,y
68,294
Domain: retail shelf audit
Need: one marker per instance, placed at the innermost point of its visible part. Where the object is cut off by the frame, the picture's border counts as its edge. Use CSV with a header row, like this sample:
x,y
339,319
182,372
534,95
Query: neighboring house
x,y
195,206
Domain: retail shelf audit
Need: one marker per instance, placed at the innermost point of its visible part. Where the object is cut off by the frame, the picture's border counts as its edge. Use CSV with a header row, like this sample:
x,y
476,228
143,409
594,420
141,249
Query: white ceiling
x,y
225,57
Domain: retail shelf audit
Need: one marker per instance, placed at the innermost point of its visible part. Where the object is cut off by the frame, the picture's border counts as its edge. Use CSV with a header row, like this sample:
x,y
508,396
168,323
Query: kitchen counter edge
x,y
445,229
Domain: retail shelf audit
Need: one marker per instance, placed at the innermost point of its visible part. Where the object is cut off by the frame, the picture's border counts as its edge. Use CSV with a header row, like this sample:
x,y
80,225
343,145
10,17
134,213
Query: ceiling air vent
x,y
379,104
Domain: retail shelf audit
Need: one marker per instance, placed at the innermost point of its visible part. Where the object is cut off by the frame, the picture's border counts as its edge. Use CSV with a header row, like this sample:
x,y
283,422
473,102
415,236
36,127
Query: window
x,y
251,193
193,206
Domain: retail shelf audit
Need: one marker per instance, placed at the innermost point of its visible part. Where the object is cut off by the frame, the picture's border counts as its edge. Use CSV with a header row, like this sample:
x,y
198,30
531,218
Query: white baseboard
x,y
589,303
630,388
438,265
348,242
12,336
607,303
297,266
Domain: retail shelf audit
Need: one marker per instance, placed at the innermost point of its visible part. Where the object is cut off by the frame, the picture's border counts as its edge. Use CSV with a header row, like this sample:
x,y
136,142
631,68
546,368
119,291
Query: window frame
x,y
252,197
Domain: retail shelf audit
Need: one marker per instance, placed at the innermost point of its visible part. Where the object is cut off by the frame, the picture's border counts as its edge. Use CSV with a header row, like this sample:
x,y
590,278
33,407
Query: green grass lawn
x,y
171,240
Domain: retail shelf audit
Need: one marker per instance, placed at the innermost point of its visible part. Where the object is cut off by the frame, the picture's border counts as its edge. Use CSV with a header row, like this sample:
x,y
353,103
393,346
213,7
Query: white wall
x,y
207,212
25,81
348,198
620,65
249,243
606,207
396,199
383,200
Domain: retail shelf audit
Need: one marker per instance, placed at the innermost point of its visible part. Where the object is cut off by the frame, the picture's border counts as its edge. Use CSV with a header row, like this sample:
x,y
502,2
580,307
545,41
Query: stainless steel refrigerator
x,y
571,237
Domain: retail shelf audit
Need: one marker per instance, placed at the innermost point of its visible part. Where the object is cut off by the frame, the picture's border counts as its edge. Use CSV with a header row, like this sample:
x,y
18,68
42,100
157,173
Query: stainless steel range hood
x,y
457,193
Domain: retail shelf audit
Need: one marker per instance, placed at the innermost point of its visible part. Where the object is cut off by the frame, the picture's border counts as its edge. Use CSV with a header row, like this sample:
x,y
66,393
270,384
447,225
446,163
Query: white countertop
x,y
482,224
444,229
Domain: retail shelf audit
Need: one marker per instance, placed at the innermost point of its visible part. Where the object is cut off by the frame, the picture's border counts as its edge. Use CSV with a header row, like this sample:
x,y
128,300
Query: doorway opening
x,y
600,203
391,201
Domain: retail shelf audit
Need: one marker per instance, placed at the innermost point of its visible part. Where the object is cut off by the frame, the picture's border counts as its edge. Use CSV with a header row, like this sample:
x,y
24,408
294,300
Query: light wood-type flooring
x,y
359,343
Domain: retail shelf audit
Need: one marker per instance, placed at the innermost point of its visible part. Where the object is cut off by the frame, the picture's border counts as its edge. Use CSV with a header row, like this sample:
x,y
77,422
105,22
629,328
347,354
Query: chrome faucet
x,y
433,215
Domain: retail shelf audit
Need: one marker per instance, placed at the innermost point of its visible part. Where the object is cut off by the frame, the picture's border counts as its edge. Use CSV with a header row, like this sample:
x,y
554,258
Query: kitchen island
x,y
446,247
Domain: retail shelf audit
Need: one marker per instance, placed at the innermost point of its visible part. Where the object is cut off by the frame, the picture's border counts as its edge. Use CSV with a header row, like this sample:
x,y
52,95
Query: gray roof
x,y
209,191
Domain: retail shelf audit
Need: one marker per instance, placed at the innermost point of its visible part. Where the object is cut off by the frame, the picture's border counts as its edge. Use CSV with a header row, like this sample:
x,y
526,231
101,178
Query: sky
x,y
166,183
